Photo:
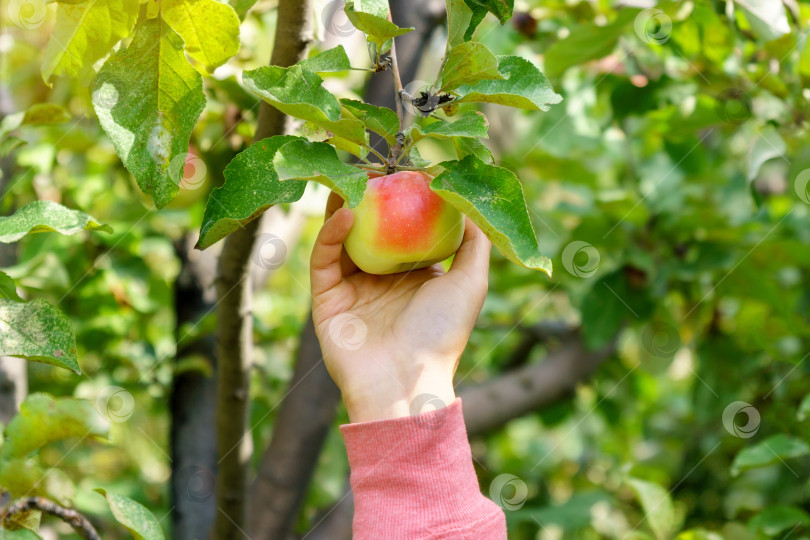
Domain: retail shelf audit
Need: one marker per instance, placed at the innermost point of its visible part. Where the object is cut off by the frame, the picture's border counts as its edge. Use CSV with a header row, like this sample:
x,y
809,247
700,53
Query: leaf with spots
x,y
468,63
148,98
251,187
39,332
317,161
330,60
84,33
44,419
210,29
46,216
493,199
134,516
471,124
523,86
298,92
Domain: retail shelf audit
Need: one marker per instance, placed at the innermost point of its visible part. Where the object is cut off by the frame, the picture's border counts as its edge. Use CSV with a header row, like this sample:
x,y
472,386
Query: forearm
x,y
413,477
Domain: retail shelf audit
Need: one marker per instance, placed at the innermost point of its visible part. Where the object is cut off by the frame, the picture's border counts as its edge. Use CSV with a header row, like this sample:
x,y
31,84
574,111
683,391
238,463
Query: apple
x,y
401,225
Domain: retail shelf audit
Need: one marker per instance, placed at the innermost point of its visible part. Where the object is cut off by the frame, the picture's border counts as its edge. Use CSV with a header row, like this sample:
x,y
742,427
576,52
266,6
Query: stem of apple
x,y
396,151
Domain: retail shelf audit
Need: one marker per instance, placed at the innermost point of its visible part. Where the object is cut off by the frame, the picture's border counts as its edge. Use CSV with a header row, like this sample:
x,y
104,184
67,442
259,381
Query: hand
x,y
387,340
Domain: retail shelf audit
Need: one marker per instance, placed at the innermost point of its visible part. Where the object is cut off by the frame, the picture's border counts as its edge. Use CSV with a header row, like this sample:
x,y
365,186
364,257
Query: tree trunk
x,y
192,399
234,314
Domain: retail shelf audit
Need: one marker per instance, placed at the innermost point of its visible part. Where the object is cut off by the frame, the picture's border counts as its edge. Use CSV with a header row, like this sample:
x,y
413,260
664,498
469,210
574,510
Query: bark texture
x,y
235,323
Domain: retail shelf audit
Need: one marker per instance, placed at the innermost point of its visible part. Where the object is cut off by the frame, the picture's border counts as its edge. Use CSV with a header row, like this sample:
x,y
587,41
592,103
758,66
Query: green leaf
x,y
775,519
331,60
469,63
658,509
371,18
381,120
524,87
210,29
46,216
768,19
304,160
314,133
610,303
459,17
37,114
296,91
587,42
27,520
241,7
84,33
19,534
134,516
251,187
43,420
775,449
7,288
466,146
470,124
500,8
39,332
8,145
804,409
493,198
25,476
148,98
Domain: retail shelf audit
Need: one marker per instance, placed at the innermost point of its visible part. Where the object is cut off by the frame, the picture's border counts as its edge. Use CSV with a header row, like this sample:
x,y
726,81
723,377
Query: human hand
x,y
388,339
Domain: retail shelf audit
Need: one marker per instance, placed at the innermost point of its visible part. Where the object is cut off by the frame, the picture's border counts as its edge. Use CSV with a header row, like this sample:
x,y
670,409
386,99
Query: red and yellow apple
x,y
402,225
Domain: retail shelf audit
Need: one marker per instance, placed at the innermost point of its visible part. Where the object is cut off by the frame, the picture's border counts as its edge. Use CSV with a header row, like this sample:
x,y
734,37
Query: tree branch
x,y
303,421
396,151
80,524
235,322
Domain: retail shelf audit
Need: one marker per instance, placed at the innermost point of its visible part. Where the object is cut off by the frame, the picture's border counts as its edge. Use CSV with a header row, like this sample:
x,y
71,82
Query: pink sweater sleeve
x,y
413,478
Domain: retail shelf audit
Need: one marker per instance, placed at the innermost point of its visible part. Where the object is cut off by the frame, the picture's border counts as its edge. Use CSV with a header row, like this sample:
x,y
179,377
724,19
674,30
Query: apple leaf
x,y
774,449
381,120
500,8
44,419
470,124
37,114
524,87
459,17
371,18
46,216
657,505
147,98
466,146
493,198
330,60
315,133
20,534
251,187
7,288
210,29
39,332
134,516
296,91
773,520
317,161
468,63
768,19
84,33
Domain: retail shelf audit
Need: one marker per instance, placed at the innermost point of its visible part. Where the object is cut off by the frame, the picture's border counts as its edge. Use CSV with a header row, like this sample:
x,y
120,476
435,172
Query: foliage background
x,y
679,158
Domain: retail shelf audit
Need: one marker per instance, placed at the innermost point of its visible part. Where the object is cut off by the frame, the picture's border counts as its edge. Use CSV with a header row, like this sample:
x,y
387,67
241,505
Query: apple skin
x,y
402,225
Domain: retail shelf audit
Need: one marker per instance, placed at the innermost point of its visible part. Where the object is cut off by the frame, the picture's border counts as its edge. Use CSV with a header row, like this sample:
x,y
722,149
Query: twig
x,y
396,151
379,155
80,524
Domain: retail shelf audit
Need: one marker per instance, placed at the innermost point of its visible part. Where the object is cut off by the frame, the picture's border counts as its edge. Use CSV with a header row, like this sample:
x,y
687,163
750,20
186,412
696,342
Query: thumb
x,y
325,268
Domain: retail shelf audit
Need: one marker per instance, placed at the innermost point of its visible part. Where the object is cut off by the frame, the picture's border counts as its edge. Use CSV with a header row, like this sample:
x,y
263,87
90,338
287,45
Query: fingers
x,y
333,203
472,258
325,263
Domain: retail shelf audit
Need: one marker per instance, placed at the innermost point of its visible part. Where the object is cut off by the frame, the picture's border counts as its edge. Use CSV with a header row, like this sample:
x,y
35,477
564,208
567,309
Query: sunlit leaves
x,y
459,16
371,18
659,513
502,9
251,187
134,516
148,98
330,60
39,332
210,29
470,124
468,63
768,19
303,160
37,114
381,120
492,198
296,91
523,86
46,216
8,290
86,32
